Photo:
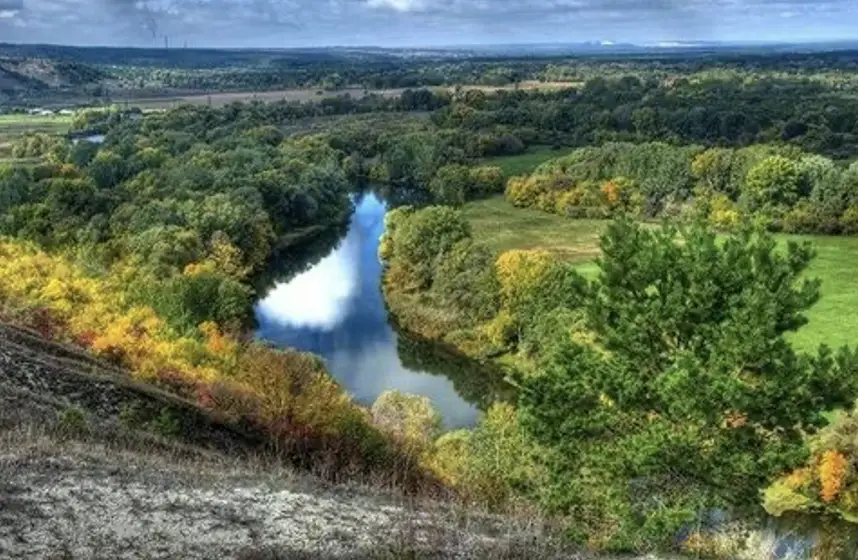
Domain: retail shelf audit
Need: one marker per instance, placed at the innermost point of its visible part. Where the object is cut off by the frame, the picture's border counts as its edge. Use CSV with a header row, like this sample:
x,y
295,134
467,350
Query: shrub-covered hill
x,y
29,75
88,457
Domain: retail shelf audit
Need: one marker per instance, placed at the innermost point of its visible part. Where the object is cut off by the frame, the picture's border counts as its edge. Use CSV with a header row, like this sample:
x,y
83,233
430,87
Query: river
x,y
336,309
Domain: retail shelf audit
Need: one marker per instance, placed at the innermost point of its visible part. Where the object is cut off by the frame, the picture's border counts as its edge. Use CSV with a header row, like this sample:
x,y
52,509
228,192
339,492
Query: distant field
x,y
303,94
525,163
13,127
221,99
19,124
833,321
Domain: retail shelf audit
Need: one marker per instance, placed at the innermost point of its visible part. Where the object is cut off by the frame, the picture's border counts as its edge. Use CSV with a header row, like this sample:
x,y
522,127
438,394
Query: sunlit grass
x,y
833,321
14,126
525,163
43,123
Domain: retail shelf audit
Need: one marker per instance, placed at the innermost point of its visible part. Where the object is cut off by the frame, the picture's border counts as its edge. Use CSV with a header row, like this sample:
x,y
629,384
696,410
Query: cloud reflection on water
x,y
336,310
319,298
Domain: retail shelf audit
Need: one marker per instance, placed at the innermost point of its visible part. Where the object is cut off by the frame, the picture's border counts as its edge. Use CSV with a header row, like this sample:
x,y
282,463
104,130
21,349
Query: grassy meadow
x,y
18,124
14,126
526,162
833,321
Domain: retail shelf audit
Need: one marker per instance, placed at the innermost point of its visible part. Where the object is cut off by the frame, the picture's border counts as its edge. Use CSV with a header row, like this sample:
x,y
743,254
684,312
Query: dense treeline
x,y
649,398
782,186
170,198
725,112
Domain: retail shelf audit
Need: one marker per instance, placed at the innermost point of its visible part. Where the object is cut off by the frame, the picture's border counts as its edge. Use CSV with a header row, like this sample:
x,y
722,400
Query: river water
x,y
336,309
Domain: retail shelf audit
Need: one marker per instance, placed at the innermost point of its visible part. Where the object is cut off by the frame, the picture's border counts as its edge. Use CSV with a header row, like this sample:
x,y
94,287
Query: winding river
x,y
336,309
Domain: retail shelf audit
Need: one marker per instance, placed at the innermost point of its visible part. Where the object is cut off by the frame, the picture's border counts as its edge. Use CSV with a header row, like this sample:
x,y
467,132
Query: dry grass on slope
x,y
80,477
70,490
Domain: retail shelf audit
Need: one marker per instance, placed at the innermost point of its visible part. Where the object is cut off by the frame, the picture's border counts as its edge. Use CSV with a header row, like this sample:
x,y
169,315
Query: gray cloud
x,y
390,22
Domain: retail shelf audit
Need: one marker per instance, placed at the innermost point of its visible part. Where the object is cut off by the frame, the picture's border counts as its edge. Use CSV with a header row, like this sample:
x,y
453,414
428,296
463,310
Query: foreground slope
x,y
81,478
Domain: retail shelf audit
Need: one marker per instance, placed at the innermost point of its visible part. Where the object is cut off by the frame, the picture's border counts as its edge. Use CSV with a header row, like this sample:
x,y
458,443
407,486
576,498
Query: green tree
x,y
418,239
687,395
465,280
774,181
451,185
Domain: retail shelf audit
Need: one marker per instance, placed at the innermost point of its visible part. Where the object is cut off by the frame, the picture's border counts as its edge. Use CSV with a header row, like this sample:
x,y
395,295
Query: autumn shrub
x,y
493,465
411,419
286,396
827,482
723,212
449,456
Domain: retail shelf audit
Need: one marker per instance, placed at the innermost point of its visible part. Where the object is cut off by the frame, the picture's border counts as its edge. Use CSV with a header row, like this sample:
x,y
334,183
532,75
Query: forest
x,y
640,400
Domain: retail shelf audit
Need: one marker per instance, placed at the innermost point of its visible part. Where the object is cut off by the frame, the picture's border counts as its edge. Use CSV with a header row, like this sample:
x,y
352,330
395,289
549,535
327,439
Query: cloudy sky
x,y
285,23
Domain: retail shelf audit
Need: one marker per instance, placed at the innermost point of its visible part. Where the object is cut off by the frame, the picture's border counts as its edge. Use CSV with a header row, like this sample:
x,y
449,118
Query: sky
x,y
296,23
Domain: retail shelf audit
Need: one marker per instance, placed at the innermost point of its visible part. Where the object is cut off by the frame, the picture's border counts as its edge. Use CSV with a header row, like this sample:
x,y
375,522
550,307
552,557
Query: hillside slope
x,y
81,478
34,76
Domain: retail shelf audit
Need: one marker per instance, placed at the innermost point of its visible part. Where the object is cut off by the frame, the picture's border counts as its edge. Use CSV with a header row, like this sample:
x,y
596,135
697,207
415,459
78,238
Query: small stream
x,y
336,309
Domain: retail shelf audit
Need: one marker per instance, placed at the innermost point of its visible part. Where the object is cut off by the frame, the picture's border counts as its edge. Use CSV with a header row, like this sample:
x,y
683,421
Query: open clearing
x,y
14,126
525,163
833,321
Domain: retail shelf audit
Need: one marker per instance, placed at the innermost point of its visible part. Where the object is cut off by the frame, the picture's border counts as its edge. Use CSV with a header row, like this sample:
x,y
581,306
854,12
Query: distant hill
x,y
23,76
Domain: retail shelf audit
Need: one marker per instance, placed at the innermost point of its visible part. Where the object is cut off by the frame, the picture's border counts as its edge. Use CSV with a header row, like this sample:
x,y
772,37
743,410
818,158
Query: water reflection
x,y
336,309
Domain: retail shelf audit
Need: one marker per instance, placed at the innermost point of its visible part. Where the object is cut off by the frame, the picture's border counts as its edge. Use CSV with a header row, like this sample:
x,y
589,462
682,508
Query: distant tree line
x,y
786,188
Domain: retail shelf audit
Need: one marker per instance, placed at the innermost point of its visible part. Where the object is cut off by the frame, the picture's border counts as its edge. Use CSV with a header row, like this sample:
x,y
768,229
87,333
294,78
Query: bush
x,y
72,422
849,221
485,181
801,218
500,463
411,419
166,424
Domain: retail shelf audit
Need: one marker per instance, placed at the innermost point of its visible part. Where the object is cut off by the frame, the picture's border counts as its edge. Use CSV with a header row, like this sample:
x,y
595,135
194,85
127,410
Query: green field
x,y
525,163
19,124
833,321
13,127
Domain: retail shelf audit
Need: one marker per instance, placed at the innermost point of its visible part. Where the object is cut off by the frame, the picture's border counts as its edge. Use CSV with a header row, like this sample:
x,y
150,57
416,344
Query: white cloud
x,y
399,5
8,14
413,22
